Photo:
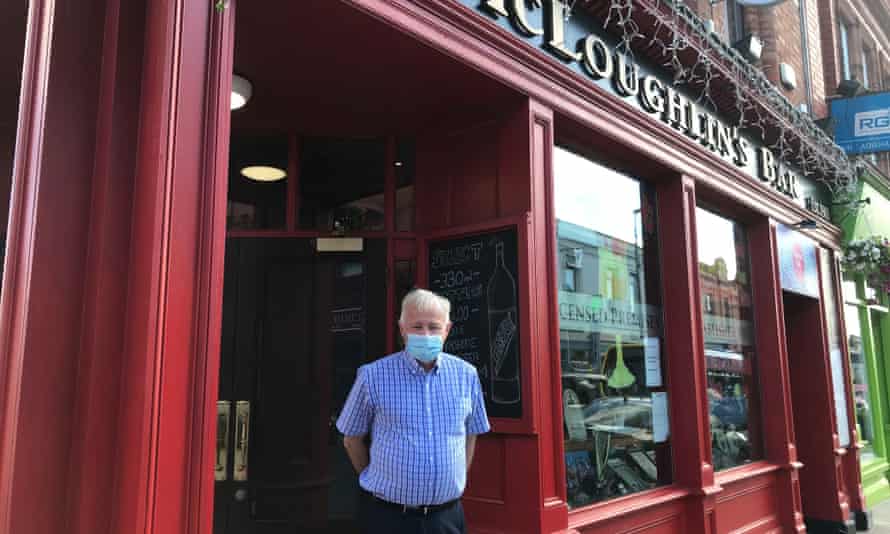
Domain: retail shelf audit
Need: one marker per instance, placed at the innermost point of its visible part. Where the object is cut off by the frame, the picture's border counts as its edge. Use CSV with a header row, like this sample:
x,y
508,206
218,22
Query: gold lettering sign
x,y
598,61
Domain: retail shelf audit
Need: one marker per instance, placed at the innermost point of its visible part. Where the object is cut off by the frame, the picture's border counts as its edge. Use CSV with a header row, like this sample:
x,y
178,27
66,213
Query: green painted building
x,y
868,336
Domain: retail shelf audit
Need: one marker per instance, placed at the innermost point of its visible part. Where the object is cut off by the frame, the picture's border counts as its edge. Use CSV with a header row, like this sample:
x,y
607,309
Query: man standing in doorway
x,y
423,409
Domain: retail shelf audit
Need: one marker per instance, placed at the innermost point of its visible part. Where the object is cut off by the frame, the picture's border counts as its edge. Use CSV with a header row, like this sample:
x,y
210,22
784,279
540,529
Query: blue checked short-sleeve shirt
x,y
418,423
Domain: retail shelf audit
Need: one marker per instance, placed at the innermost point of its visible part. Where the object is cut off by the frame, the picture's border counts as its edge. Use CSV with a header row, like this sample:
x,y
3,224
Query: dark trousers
x,y
380,518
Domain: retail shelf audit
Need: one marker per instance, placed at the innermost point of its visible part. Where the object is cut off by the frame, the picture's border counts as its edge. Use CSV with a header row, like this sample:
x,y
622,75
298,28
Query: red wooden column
x,y
543,299
44,298
851,474
773,377
170,353
687,378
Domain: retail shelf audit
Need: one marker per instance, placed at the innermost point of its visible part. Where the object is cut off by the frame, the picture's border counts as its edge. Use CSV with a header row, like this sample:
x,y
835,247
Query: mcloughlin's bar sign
x,y
593,56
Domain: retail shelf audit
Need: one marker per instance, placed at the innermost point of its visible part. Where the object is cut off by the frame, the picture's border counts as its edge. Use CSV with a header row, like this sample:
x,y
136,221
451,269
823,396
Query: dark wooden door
x,y
296,325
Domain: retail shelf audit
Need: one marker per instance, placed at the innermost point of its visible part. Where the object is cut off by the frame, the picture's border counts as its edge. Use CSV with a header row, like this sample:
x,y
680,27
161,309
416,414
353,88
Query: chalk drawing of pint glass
x,y
875,122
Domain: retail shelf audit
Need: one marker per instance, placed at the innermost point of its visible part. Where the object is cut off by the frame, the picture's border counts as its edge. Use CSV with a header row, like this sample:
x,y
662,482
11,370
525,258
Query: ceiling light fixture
x,y
242,90
806,224
263,173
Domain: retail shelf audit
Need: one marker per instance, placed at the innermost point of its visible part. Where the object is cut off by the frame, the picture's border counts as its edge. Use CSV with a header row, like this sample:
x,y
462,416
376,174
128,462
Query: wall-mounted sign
x,y
862,124
581,44
479,275
797,262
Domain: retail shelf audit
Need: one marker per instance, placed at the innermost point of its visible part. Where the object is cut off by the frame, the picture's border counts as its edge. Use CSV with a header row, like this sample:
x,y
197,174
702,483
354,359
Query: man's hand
x,y
357,452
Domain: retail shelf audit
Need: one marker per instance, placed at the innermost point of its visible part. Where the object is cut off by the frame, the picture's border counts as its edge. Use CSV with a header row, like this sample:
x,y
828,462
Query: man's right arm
x,y
357,451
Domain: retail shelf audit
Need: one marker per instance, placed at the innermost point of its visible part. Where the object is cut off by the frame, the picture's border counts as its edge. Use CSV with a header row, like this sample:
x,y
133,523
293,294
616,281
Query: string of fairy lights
x,y
696,58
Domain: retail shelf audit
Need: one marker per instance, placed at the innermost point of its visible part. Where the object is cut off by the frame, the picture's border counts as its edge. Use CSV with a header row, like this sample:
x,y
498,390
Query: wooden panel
x,y
42,305
750,505
487,480
665,518
473,174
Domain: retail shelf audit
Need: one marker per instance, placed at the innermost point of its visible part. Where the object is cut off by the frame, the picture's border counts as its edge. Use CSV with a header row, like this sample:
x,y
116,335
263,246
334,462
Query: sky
x,y
598,198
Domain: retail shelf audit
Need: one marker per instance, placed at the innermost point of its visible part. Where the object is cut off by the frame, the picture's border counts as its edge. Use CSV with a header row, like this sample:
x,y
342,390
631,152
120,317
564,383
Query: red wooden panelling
x,y
689,415
665,514
473,173
750,505
487,482
772,364
40,315
90,487
851,473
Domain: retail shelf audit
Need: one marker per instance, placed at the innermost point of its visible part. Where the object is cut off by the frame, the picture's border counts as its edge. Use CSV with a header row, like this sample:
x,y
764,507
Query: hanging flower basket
x,y
870,257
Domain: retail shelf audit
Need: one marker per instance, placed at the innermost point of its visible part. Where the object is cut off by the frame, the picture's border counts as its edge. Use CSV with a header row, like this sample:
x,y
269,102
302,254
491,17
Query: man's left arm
x,y
471,448
477,421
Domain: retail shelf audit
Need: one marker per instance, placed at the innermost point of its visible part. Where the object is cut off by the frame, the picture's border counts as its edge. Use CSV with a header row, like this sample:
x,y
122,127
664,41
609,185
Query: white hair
x,y
424,300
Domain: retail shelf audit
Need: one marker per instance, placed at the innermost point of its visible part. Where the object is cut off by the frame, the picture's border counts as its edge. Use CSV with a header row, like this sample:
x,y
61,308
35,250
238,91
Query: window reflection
x,y
859,370
405,169
341,184
727,319
614,403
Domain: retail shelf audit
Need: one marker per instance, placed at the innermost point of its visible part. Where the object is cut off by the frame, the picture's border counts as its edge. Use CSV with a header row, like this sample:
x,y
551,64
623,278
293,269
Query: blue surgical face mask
x,y
423,348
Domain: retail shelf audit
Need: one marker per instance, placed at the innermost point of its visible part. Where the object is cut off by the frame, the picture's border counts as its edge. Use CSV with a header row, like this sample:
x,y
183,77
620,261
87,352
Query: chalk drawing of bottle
x,y
621,376
502,332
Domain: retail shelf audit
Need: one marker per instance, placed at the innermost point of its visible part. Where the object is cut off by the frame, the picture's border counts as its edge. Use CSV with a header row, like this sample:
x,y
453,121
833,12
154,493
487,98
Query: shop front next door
x,y
296,325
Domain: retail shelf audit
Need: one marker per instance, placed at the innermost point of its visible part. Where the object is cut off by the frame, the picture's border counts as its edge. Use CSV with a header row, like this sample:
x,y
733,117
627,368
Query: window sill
x,y
742,472
603,511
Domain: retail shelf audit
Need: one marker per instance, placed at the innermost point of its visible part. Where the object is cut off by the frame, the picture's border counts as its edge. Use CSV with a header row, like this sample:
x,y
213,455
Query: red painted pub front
x,y
189,288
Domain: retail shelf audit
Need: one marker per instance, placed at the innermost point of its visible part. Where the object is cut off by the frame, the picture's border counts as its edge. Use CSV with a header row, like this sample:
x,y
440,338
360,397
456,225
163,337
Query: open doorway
x,y
810,377
321,243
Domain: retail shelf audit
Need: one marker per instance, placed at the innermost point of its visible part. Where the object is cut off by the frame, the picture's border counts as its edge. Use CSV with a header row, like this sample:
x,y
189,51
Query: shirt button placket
x,y
429,426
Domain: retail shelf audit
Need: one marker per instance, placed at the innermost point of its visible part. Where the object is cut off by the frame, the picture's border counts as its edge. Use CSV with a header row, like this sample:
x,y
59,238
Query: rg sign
x,y
872,122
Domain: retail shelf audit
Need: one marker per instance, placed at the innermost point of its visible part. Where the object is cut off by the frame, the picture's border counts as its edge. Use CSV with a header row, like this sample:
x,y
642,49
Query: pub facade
x,y
629,220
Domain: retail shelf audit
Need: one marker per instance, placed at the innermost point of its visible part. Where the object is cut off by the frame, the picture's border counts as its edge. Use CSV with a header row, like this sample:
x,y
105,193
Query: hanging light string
x,y
699,60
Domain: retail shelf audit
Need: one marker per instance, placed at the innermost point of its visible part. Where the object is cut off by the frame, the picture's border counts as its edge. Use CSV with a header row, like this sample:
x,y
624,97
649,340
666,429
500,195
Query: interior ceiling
x,y
321,67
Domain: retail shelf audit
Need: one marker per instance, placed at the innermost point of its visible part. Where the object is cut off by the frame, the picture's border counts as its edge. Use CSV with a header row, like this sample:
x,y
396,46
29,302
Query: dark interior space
x,y
13,22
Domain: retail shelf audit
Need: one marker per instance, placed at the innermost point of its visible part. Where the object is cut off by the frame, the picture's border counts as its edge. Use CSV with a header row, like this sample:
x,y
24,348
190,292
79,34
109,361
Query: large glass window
x,y
859,370
729,340
614,401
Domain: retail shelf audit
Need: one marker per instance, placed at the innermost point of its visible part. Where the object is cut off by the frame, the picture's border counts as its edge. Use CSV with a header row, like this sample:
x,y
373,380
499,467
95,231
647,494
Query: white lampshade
x,y
263,173
242,89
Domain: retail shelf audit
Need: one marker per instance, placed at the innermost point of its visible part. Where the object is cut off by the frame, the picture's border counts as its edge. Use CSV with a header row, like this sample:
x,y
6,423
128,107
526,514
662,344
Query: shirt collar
x,y
418,369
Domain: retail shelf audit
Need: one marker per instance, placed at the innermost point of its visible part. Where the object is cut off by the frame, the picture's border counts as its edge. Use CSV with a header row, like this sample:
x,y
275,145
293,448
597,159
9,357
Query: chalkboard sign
x,y
479,275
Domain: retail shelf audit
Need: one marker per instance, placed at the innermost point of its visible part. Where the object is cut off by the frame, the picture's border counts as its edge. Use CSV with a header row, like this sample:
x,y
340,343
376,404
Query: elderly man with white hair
x,y
423,409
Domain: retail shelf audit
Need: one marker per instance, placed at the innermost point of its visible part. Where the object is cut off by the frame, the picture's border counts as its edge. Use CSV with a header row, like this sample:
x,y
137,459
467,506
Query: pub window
x,y
729,341
614,399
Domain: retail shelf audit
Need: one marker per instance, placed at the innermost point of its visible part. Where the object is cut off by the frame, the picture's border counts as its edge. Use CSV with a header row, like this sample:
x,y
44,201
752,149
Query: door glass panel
x,y
257,183
614,402
727,317
405,276
405,169
341,184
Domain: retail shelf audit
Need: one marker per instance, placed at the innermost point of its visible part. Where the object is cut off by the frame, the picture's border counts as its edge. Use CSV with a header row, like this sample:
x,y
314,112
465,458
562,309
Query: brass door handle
x,y
242,439
223,415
